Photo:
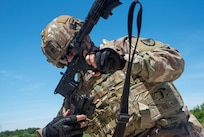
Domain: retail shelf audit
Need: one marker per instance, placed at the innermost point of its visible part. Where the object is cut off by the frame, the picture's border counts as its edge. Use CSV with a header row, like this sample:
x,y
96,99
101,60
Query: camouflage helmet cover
x,y
57,36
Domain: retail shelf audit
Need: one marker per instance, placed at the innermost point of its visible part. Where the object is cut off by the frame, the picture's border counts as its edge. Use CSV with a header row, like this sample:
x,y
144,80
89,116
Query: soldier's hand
x,y
106,60
69,126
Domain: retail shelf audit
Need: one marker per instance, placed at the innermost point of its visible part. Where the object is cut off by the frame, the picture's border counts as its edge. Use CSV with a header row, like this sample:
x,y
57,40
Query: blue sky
x,y
27,81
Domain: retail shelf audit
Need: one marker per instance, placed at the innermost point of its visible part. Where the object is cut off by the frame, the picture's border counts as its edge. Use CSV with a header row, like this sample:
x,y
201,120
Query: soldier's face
x,y
89,47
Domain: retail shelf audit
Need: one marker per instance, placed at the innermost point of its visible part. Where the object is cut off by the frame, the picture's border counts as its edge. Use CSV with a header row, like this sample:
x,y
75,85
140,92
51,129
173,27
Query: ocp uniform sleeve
x,y
153,62
160,65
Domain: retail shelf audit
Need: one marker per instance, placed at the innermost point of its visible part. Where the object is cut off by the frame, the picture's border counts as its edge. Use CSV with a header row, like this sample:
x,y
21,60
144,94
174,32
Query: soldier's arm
x,y
39,132
159,65
154,62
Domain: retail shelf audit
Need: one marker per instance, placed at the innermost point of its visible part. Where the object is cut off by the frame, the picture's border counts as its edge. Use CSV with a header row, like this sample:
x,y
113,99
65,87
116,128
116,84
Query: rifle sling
x,y
123,116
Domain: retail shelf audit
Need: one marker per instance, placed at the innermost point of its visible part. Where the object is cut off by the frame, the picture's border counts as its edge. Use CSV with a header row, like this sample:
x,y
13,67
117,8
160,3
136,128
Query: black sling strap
x,y
123,116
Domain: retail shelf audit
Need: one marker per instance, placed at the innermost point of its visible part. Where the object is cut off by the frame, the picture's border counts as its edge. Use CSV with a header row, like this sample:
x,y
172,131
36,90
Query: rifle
x,y
67,84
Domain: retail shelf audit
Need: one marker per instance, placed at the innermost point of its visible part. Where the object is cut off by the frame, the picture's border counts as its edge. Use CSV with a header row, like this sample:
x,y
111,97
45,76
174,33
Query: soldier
x,y
156,108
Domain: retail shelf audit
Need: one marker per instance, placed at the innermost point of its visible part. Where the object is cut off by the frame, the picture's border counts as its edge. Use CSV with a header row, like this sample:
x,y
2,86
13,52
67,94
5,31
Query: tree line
x,y
198,112
29,132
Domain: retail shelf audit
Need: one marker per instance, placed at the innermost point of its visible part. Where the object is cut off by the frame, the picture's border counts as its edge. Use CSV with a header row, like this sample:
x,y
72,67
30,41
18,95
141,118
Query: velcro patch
x,y
148,42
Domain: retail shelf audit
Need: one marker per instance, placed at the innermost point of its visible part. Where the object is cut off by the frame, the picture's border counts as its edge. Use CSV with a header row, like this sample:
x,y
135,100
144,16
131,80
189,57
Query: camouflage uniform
x,y
156,108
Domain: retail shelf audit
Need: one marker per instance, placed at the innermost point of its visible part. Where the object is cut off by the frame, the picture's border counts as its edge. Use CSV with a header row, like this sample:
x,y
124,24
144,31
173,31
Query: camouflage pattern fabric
x,y
57,36
155,105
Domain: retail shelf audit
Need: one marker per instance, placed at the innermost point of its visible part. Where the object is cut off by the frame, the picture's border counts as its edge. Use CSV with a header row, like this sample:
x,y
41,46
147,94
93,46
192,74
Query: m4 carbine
x,y
68,85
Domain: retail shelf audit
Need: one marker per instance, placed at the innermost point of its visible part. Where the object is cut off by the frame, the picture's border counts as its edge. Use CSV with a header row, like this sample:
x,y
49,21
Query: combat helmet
x,y
56,38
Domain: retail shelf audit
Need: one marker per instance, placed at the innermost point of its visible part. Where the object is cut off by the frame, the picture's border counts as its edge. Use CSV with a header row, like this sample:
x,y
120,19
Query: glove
x,y
64,127
108,60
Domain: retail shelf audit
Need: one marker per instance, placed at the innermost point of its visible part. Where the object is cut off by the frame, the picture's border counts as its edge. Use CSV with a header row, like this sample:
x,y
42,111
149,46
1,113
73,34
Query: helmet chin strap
x,y
123,116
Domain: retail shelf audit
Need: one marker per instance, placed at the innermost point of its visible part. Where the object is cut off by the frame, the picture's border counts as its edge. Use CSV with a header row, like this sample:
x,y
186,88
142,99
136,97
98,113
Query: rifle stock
x,y
67,85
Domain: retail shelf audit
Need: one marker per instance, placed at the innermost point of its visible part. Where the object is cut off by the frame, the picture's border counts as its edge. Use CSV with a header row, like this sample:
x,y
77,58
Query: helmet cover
x,y
56,38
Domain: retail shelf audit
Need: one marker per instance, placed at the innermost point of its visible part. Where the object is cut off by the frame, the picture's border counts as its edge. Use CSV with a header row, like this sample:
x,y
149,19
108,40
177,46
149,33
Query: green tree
x,y
198,112
30,132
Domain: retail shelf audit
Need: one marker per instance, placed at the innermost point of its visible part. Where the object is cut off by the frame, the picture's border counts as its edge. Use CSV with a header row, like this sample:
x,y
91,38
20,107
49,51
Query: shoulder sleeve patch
x,y
148,42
